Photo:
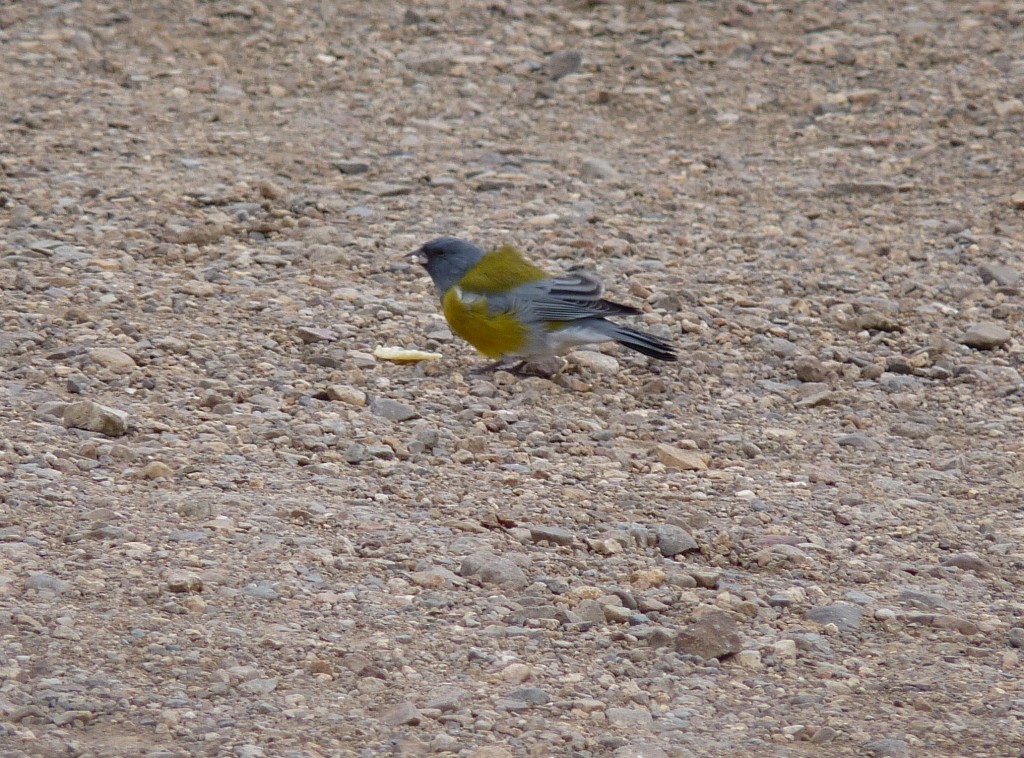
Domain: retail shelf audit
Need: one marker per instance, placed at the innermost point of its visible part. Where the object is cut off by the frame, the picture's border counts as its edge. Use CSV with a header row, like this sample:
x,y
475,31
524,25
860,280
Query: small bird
x,y
509,309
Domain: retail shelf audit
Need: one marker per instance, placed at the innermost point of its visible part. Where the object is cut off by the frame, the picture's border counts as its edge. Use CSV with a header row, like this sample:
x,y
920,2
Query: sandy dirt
x,y
227,529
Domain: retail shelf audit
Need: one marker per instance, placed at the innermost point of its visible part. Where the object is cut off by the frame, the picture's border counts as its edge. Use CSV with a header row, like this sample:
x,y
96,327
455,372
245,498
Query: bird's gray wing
x,y
576,285
573,296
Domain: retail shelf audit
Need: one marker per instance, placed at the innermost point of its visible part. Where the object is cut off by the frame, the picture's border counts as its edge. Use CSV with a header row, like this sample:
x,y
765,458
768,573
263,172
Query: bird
x,y
514,312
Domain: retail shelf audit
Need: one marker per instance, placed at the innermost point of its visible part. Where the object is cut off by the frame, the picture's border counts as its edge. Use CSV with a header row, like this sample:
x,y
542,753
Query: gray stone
x,y
674,540
435,577
912,430
596,168
41,581
874,189
858,441
1004,276
656,636
344,394
1016,637
493,569
592,360
402,714
713,636
986,336
445,743
814,399
631,718
262,590
640,750
809,369
898,364
591,611
679,459
784,599
384,452
563,63
310,334
52,408
887,748
112,358
553,534
510,704
447,700
385,189
65,353
846,617
184,582
899,383
188,535
533,695
355,453
616,614
750,449
392,410
969,562
545,368
94,417
923,600
944,621
258,686
352,167
824,735
432,66
706,578
173,345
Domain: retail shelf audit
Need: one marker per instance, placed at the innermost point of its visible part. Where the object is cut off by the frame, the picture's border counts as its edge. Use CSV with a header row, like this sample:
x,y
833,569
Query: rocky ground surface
x,y
228,529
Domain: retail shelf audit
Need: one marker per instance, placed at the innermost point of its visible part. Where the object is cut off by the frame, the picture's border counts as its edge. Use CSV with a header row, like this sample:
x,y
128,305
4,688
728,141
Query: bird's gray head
x,y
447,259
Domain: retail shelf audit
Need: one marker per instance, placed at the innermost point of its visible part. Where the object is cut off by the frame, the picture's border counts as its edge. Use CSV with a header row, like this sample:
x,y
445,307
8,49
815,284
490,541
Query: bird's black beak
x,y
417,256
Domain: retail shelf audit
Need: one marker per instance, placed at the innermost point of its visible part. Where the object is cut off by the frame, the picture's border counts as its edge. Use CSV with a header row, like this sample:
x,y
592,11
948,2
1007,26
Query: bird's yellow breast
x,y
493,334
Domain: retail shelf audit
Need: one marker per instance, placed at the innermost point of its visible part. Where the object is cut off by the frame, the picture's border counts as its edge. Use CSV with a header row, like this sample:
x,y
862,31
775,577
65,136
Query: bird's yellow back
x,y
500,271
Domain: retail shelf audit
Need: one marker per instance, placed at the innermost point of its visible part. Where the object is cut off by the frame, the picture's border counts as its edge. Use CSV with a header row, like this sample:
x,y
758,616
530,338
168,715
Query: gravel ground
x,y
228,529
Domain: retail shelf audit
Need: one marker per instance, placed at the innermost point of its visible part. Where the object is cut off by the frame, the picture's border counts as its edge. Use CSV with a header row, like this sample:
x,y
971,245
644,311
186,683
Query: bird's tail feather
x,y
642,342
